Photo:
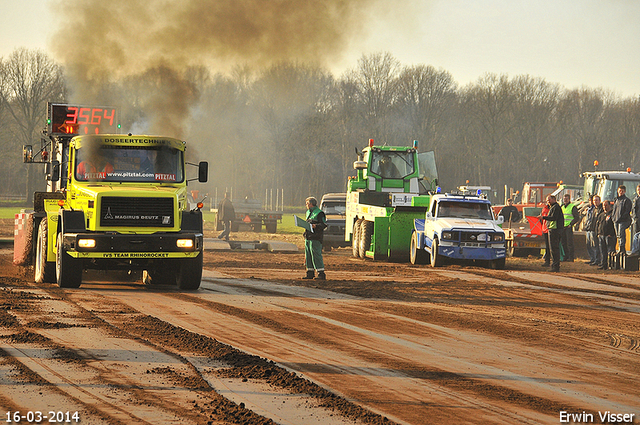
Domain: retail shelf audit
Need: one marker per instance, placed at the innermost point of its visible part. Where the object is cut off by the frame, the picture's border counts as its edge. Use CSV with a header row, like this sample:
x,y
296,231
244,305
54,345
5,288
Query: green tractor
x,y
393,186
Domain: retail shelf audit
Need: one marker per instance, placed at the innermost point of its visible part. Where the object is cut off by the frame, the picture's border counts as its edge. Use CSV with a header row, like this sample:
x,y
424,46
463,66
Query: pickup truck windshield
x,y
129,164
472,210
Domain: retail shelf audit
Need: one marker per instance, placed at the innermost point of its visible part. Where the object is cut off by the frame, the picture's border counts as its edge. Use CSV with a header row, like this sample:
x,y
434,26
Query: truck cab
x,y
458,227
113,202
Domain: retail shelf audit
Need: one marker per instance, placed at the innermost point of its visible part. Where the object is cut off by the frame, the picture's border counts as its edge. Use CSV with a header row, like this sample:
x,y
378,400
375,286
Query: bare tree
x,y
427,98
31,79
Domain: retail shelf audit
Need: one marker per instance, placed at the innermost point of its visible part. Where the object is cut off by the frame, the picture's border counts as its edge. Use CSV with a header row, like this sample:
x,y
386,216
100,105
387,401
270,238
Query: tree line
x,y
295,126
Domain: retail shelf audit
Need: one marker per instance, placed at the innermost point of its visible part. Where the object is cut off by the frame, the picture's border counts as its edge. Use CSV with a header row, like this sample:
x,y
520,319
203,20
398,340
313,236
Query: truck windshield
x,y
473,210
608,189
392,165
129,164
334,207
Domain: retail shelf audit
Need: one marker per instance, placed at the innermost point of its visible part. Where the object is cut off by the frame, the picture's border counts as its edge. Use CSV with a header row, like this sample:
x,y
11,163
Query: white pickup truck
x,y
458,227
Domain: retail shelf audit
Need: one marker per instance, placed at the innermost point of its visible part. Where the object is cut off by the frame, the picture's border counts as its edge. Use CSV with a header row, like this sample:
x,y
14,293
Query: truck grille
x,y
136,212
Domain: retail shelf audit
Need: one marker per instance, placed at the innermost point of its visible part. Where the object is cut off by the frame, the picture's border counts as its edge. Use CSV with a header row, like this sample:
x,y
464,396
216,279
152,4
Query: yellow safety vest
x,y
568,215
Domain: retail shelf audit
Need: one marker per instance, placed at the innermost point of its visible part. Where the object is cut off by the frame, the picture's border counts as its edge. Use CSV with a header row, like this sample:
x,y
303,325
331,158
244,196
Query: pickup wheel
x,y
355,238
366,231
417,255
68,269
189,273
436,259
499,263
45,271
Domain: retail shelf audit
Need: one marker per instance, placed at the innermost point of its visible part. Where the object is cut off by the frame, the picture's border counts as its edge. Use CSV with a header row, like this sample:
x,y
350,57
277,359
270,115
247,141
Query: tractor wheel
x,y
45,270
436,259
355,238
68,269
366,231
189,273
418,255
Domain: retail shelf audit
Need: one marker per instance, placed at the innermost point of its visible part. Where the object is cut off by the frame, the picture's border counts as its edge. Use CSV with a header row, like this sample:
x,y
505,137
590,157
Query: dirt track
x,y
376,343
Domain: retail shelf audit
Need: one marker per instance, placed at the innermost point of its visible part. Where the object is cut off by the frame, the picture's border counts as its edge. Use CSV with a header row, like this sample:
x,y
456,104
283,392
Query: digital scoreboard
x,y
81,119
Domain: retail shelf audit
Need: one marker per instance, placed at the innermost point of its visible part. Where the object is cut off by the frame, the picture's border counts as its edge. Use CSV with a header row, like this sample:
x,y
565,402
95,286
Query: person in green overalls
x,y
313,240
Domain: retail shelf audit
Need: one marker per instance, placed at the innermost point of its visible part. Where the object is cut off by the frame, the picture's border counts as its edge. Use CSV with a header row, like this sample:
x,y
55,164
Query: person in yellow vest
x,y
555,223
571,218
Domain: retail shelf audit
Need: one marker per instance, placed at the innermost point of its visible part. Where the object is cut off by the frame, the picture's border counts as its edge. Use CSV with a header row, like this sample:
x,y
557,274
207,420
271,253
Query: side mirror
x,y
203,171
500,219
27,153
429,215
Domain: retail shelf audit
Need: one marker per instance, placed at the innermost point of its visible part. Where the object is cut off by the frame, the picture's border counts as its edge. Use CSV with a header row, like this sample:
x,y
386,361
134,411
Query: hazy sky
x,y
595,43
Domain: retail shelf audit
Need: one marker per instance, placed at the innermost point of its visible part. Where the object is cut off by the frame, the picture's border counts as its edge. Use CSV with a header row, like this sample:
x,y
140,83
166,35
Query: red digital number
x,y
96,116
110,117
73,115
84,115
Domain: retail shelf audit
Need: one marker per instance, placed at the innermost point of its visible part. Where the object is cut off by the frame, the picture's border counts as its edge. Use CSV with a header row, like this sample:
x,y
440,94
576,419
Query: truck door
x,y
428,173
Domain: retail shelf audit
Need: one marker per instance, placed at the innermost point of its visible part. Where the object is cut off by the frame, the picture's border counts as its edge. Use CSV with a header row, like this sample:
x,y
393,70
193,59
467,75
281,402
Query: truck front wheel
x,y
190,273
436,259
45,271
366,231
418,255
68,269
355,238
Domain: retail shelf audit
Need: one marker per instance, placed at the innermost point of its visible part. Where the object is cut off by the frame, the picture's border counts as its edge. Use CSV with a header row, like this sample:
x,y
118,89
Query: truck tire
x,y
45,271
499,263
355,238
366,231
436,259
417,255
68,269
271,226
189,273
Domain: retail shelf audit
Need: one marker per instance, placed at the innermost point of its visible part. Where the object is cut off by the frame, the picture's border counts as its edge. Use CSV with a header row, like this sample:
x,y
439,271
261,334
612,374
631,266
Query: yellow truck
x,y
113,202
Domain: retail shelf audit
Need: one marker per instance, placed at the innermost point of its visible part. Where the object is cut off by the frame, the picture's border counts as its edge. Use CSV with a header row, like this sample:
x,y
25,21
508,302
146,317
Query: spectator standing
x,y
571,218
226,214
635,213
591,215
313,239
545,233
621,216
555,220
510,213
606,234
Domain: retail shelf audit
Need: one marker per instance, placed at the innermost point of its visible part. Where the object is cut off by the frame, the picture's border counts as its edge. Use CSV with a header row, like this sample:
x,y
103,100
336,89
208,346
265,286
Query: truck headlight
x,y
184,243
447,236
86,243
498,237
